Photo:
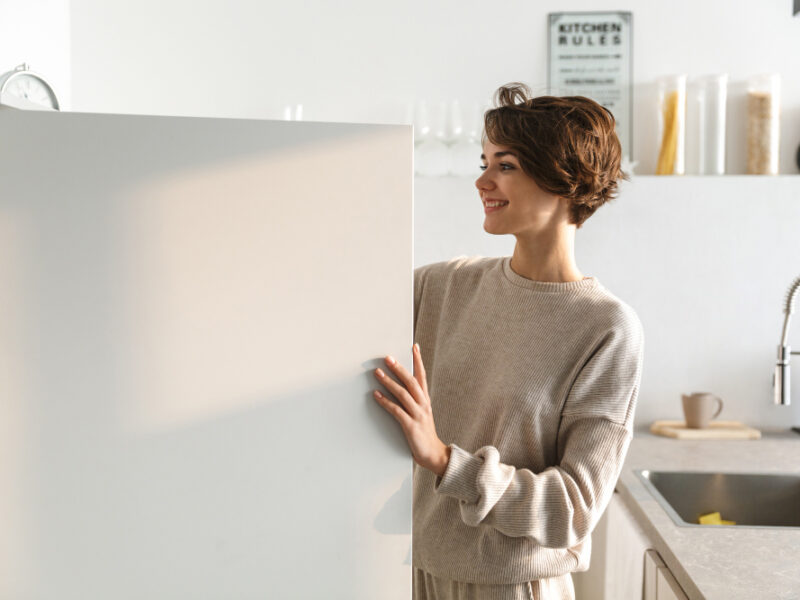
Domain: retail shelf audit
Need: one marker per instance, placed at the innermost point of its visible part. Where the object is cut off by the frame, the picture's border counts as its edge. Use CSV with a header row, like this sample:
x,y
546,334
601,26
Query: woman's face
x,y
526,208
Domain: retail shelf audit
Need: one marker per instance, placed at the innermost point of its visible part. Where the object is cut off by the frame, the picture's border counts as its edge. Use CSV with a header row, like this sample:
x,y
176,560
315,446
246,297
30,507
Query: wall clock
x,y
24,84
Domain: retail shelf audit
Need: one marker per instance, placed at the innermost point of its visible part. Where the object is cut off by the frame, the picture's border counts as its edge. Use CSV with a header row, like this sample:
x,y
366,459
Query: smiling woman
x,y
519,412
548,164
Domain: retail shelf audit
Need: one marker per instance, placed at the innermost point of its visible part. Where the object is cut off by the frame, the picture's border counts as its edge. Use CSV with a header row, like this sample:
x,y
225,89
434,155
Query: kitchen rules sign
x,y
590,55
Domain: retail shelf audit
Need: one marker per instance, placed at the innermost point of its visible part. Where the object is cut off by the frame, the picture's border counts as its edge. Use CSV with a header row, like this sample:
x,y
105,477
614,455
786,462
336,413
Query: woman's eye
x,y
503,166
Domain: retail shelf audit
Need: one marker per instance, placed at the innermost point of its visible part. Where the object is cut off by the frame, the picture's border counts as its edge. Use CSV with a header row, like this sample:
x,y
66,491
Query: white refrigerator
x,y
190,313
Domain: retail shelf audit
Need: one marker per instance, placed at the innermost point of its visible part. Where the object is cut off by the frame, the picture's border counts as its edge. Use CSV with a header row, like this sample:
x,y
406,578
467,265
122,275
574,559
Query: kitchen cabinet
x,y
659,582
716,563
625,547
624,566
616,571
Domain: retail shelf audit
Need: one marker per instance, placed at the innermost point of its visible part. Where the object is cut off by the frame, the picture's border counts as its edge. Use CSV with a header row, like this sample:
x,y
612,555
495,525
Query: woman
x,y
520,423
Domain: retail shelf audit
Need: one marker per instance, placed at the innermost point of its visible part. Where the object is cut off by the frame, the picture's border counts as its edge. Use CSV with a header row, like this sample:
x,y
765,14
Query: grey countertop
x,y
727,563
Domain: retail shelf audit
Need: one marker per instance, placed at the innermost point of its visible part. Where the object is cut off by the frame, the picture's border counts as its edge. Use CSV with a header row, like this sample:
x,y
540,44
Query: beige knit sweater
x,y
533,386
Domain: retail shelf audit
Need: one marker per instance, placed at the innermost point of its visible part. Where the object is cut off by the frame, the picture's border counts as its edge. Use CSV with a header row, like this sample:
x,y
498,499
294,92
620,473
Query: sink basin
x,y
750,499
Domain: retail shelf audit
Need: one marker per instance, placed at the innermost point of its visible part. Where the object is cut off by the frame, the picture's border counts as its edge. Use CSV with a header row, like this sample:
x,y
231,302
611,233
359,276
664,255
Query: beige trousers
x,y
430,587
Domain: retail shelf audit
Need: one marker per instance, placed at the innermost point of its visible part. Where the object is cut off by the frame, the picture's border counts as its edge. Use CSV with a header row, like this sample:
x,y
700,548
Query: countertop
x,y
725,563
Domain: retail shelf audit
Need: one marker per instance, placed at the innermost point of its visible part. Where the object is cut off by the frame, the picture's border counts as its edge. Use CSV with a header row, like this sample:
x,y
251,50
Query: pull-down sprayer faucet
x,y
781,380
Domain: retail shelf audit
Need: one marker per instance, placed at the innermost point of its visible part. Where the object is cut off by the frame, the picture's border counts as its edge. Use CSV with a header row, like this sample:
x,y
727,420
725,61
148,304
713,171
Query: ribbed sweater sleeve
x,y
560,506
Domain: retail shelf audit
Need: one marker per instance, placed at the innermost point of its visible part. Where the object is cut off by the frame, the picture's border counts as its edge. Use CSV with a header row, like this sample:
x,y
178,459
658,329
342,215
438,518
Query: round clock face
x,y
31,88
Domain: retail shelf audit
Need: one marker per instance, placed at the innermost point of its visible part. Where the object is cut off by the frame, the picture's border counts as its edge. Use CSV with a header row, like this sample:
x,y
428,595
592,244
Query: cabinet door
x,y
652,564
626,547
667,587
616,569
659,582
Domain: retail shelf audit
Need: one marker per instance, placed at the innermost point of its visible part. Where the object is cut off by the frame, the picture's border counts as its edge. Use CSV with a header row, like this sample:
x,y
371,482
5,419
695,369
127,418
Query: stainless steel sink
x,y
750,499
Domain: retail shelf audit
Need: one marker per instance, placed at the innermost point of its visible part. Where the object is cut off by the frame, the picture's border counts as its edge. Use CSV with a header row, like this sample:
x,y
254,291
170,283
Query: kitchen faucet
x,y
781,379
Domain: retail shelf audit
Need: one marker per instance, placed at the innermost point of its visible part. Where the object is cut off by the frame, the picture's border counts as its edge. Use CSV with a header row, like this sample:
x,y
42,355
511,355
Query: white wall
x,y
361,60
37,32
705,262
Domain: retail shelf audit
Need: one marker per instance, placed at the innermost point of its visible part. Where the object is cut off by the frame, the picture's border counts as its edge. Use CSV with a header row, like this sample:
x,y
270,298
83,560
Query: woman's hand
x,y
414,412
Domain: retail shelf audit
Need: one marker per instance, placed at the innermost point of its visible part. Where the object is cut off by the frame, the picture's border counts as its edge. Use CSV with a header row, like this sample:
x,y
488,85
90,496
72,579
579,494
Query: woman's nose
x,y
483,181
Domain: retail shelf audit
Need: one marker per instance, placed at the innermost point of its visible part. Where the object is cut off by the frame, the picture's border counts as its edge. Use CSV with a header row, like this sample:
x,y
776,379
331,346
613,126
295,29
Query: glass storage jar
x,y
712,92
763,124
672,125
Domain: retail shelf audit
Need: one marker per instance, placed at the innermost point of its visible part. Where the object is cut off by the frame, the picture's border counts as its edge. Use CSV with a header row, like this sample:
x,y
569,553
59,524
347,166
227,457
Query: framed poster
x,y
590,55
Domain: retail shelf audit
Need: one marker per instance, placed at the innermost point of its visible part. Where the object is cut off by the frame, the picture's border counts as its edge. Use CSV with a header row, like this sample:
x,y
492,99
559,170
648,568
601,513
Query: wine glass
x,y
430,158
465,150
293,112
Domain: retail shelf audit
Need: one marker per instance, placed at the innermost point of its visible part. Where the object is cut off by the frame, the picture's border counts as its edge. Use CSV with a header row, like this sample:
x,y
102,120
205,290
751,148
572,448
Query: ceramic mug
x,y
698,408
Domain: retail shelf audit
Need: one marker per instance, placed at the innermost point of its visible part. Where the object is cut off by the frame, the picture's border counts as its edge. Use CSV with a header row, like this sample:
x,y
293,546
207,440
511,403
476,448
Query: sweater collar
x,y
545,286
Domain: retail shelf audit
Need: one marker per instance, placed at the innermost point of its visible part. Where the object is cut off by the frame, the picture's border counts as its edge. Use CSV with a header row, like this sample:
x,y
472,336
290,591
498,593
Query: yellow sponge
x,y
714,519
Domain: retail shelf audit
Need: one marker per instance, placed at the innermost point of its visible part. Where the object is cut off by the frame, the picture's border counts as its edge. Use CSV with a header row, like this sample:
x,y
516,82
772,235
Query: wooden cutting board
x,y
717,430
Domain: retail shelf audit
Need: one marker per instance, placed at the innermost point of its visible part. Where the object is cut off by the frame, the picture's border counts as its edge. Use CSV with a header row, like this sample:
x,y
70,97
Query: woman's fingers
x,y
393,409
419,369
398,391
406,379
413,410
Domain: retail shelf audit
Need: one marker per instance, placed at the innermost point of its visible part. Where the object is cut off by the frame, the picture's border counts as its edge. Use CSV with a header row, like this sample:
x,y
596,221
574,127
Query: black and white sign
x,y
590,55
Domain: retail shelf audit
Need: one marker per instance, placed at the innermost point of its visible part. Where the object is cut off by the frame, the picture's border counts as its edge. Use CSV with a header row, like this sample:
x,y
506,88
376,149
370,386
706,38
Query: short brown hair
x,y
566,144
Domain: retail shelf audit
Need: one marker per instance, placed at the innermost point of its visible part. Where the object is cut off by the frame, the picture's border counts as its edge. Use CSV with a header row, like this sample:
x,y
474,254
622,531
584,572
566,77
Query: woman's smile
x,y
490,206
